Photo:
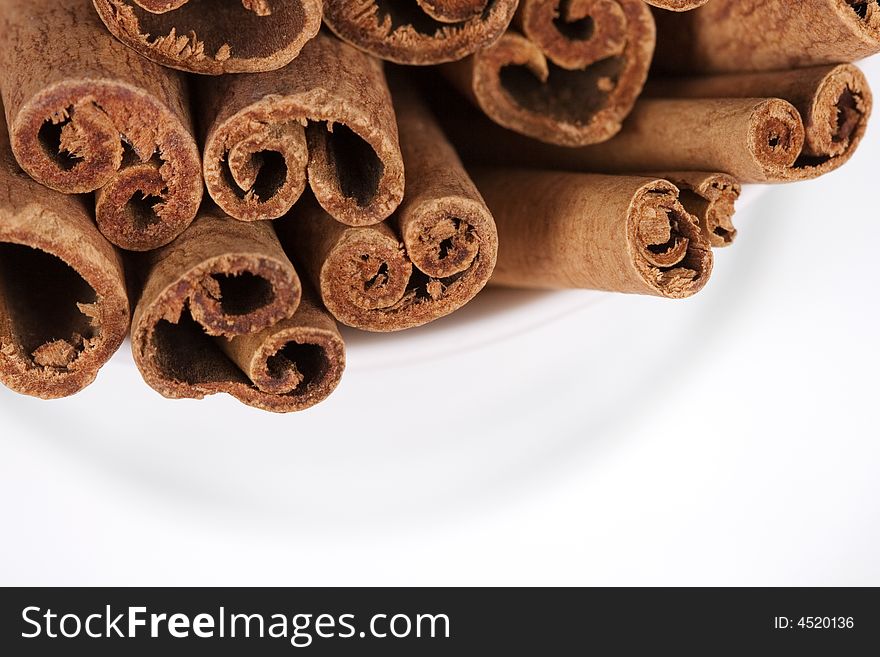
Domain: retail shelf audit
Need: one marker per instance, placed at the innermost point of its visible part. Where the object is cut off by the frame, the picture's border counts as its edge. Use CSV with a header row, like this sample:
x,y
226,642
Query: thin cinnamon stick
x,y
272,347
431,258
90,115
570,75
763,35
63,304
763,139
570,230
327,117
835,103
214,38
419,32
711,198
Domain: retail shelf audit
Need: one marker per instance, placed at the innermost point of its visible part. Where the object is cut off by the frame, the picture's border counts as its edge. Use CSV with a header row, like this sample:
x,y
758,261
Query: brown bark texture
x,y
612,233
419,32
569,73
86,114
767,35
222,311
63,303
325,120
214,38
428,260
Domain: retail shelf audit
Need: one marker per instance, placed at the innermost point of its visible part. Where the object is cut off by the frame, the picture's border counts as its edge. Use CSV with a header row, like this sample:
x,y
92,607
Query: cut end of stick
x,y
776,136
249,36
574,76
419,33
668,247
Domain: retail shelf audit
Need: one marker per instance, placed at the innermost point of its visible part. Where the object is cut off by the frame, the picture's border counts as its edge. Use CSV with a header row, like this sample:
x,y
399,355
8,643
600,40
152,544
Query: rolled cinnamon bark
x,y
63,304
835,103
419,32
677,5
214,38
90,115
570,230
762,140
327,117
430,259
572,75
764,35
231,280
711,198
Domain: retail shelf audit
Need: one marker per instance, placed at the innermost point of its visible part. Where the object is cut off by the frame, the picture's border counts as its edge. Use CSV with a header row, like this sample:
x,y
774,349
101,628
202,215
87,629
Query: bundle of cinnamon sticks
x,y
228,181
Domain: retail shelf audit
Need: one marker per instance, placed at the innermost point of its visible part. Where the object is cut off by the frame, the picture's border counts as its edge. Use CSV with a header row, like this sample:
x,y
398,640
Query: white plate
x,y
530,439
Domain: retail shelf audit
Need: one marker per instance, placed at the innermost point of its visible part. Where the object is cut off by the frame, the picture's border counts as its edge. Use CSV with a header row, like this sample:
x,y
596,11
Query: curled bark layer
x,y
214,38
432,257
422,32
327,118
766,35
572,74
677,5
711,198
222,311
93,116
618,234
63,304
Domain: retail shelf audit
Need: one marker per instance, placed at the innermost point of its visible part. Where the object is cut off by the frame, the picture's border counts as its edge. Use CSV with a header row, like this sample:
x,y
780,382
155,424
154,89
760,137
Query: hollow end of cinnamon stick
x,y
711,198
222,311
94,117
611,233
419,33
214,38
429,259
325,120
570,76
63,303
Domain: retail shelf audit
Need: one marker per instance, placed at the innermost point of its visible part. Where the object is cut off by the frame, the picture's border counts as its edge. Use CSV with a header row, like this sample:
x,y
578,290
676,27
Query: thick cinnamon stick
x,y
711,198
763,35
570,76
63,304
231,280
327,117
569,230
755,139
87,114
419,32
431,258
214,38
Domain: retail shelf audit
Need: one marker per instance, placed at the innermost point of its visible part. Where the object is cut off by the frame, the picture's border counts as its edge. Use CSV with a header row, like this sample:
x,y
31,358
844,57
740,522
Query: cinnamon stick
x,y
571,230
222,311
214,38
419,32
570,75
763,35
704,125
90,115
432,257
326,117
63,304
711,198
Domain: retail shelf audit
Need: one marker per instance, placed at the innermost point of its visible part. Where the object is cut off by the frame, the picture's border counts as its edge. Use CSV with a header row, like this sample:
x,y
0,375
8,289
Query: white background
x,y
574,438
